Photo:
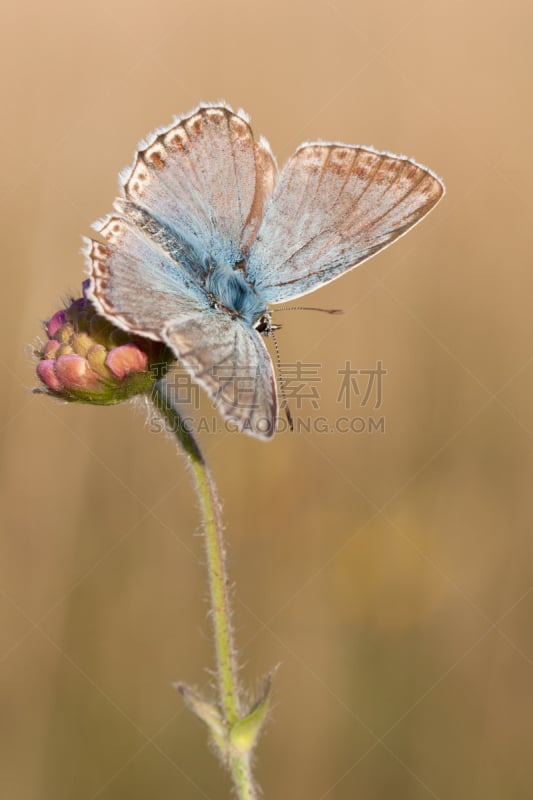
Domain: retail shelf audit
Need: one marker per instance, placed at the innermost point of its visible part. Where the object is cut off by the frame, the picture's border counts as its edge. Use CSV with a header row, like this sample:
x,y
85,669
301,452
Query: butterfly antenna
x,y
310,308
284,404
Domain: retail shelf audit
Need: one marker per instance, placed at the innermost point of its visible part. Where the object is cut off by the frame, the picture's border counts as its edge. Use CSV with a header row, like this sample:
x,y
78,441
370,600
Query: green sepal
x,y
244,733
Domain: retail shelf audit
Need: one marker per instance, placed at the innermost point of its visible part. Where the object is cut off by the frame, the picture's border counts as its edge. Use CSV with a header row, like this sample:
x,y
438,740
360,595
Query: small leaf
x,y
244,734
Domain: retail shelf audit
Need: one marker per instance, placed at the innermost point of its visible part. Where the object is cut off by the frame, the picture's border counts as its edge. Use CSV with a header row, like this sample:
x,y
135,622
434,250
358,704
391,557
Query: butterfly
x,y
207,234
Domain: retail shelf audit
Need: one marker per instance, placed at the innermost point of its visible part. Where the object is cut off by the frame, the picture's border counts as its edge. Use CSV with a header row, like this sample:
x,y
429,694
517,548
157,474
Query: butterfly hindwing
x,y
334,206
229,359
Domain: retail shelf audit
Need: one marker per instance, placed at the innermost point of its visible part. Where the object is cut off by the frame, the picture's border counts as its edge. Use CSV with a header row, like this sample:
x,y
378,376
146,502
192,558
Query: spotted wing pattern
x,y
333,207
207,180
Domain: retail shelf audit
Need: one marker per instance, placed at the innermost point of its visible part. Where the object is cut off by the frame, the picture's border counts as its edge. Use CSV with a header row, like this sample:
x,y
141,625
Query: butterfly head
x,y
265,325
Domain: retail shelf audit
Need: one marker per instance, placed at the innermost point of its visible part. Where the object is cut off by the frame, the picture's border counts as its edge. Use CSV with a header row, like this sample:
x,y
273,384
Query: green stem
x,y
238,763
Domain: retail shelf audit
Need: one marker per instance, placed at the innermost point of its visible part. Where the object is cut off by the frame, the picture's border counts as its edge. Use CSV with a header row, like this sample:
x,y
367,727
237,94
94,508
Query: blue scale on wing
x,y
136,283
224,284
177,248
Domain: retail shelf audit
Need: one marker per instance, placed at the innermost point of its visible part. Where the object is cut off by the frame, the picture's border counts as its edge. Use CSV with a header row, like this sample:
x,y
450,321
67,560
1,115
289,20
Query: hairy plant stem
x,y
226,669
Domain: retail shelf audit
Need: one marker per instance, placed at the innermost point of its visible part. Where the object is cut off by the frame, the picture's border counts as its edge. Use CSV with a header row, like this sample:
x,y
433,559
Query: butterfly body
x,y
206,235
229,290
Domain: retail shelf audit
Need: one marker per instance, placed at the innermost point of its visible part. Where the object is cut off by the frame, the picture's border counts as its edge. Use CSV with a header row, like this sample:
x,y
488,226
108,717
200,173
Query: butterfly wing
x,y
333,207
229,359
204,180
193,199
135,283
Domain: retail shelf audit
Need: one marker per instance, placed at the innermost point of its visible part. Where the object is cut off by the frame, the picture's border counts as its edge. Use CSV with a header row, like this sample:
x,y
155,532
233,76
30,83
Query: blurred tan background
x,y
390,574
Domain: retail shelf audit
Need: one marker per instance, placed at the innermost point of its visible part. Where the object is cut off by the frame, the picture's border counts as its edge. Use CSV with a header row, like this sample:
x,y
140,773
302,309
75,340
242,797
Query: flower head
x,y
85,358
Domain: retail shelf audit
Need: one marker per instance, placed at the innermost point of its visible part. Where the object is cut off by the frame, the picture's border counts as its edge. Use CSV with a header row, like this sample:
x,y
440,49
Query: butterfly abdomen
x,y
230,292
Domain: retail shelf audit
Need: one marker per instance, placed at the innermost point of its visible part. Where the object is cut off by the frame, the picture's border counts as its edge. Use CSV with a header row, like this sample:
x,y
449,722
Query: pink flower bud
x,y
86,358
46,372
74,372
126,359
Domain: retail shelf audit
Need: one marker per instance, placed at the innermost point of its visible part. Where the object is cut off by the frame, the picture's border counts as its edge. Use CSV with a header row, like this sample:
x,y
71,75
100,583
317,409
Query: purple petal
x,y
55,323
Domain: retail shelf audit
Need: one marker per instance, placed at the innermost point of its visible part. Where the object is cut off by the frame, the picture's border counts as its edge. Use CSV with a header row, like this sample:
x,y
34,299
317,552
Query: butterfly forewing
x,y
207,180
333,207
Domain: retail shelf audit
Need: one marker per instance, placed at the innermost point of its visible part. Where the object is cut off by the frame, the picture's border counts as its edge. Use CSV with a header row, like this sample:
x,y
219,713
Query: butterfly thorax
x,y
229,291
